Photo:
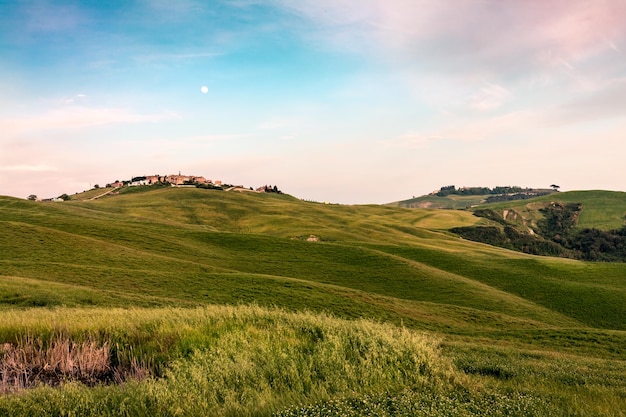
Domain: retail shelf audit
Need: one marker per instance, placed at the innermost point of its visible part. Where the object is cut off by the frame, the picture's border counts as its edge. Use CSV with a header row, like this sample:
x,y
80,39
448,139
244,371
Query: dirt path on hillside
x,y
101,195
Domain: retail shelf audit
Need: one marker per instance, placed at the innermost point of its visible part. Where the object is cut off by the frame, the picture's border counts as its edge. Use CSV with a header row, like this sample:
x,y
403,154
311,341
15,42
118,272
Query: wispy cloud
x,y
274,124
607,102
472,130
176,56
179,7
413,140
490,97
47,17
76,117
606,105
226,137
470,36
73,99
27,168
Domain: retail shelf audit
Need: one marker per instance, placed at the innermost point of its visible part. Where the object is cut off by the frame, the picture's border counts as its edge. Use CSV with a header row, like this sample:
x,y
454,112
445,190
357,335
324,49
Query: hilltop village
x,y
174,180
164,180
180,180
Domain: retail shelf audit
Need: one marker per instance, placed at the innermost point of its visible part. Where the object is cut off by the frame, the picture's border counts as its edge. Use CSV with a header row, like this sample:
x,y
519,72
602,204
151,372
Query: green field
x,y
417,319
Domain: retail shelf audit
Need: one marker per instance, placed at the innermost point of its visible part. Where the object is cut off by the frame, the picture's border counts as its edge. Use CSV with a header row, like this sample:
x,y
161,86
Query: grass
x,y
602,210
590,293
140,272
249,360
144,248
89,194
236,361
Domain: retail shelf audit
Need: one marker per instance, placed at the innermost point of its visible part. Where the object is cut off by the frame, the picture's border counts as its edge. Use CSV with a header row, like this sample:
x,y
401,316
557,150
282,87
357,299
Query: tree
x,y
555,187
446,191
96,186
32,197
64,197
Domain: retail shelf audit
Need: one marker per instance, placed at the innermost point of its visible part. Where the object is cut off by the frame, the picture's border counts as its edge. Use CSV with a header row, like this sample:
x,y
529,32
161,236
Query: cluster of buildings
x,y
166,179
179,180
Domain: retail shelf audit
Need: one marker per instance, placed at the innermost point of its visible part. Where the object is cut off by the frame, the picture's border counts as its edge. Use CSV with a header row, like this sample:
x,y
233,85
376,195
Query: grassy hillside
x,y
602,210
452,201
588,225
451,197
504,321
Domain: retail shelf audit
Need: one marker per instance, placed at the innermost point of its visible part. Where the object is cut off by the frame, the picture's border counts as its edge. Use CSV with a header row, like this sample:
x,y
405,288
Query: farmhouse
x,y
200,180
176,179
153,179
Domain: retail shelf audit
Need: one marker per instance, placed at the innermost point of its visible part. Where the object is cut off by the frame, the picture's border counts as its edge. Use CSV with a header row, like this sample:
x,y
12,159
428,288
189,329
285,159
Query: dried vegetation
x,y
32,361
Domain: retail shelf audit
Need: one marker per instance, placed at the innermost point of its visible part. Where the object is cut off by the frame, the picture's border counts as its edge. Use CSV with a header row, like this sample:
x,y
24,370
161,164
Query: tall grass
x,y
226,361
253,361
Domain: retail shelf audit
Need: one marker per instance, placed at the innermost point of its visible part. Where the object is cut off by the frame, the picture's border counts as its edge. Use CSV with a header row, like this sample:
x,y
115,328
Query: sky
x,y
346,101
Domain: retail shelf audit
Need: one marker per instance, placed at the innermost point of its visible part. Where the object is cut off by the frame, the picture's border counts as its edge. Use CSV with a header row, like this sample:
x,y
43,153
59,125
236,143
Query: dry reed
x,y
31,362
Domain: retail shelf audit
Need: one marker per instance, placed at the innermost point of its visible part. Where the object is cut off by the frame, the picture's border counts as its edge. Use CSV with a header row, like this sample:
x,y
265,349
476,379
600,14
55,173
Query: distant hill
x,y
450,197
432,201
580,224
600,209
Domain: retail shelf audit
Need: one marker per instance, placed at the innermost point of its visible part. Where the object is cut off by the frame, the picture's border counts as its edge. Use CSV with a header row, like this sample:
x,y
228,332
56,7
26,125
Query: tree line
x,y
499,190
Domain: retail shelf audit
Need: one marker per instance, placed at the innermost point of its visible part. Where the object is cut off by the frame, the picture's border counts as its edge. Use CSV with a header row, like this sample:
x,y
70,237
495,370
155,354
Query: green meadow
x,y
203,302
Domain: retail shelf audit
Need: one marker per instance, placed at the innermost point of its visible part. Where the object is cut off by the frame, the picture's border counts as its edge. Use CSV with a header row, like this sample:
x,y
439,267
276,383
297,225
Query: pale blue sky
x,y
346,101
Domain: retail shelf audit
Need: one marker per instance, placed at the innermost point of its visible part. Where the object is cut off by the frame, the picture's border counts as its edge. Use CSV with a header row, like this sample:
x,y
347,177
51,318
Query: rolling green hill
x,y
505,321
602,210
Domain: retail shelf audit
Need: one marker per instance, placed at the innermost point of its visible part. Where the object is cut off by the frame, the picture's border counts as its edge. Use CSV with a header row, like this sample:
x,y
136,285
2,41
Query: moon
x,y
204,89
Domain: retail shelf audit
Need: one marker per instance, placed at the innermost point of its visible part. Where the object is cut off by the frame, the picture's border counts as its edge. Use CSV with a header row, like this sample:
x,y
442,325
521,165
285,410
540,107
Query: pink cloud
x,y
489,97
75,117
27,168
485,35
